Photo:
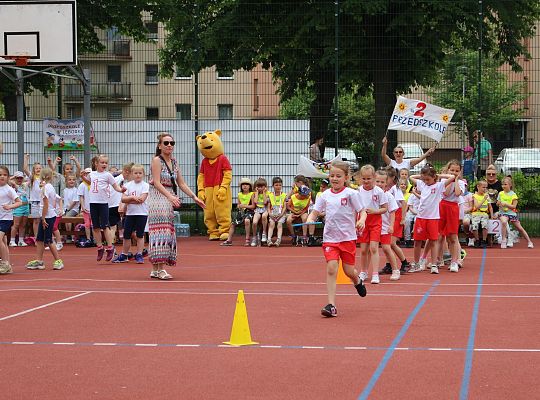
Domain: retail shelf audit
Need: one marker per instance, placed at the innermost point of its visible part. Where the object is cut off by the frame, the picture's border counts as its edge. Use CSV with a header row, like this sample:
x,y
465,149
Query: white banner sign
x,y
312,169
417,116
65,134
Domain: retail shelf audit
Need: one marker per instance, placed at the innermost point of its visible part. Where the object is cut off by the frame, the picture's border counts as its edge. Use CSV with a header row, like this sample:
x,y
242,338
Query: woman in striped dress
x,y
165,178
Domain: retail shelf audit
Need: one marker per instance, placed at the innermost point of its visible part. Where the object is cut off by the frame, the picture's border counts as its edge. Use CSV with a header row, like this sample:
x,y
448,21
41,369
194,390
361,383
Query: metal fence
x,y
334,67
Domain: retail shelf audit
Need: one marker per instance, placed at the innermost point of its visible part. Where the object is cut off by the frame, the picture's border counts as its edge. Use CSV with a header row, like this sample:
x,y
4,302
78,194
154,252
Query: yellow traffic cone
x,y
341,278
240,334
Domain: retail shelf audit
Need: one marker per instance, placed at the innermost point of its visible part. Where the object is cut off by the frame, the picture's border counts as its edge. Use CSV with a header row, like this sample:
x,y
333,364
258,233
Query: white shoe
x,y
375,279
363,276
12,244
22,244
509,243
434,269
395,275
59,246
503,244
454,267
58,264
413,268
471,242
422,264
263,239
530,245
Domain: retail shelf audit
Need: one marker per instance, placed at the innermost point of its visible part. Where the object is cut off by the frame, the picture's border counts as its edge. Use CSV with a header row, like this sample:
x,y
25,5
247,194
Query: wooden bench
x,y
74,221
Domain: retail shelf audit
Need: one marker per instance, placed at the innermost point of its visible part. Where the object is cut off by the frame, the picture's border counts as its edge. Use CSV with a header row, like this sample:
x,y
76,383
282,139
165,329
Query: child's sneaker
x,y
154,274
58,264
22,244
405,266
434,269
5,268
59,246
121,258
100,253
413,268
329,310
278,242
139,259
471,242
503,244
360,287
12,243
263,238
363,276
254,241
35,264
447,258
270,243
462,254
530,245
422,264
395,275
387,269
110,254
375,279
454,267
509,243
225,243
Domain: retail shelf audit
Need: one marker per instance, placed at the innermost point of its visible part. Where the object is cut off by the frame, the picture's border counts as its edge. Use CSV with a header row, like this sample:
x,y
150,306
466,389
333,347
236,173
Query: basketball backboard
x,y
43,31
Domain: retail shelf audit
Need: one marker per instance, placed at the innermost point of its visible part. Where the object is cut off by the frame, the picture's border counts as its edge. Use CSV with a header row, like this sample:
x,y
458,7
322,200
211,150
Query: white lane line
x,y
146,344
64,343
188,345
270,347
313,347
510,350
43,306
104,344
23,342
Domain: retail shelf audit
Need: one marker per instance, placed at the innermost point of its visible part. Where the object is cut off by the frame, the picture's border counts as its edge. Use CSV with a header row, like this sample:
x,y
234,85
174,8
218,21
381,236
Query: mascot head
x,y
210,144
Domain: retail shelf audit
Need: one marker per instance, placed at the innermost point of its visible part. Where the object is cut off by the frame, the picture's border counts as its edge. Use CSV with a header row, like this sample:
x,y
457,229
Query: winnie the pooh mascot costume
x,y
214,185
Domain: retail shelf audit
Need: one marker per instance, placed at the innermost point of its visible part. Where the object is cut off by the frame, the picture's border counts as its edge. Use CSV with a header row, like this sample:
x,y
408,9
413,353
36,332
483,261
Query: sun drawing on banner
x,y
401,107
445,118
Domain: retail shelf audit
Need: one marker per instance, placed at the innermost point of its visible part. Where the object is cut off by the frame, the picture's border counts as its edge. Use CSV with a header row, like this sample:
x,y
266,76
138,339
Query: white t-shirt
x,y
70,195
374,198
7,196
397,194
84,190
35,190
430,198
116,197
340,209
137,189
404,164
100,190
413,202
392,207
452,196
50,194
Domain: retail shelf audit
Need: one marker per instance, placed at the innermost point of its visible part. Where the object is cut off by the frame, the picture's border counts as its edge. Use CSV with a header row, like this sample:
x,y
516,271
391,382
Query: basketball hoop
x,y
20,60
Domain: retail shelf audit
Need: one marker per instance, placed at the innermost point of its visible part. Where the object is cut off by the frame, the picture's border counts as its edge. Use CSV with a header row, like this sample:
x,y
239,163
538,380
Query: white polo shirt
x,y
392,207
373,198
430,198
7,196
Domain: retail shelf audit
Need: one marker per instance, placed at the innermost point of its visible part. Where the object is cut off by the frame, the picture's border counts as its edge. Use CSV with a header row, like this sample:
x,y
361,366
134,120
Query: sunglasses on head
x,y
169,142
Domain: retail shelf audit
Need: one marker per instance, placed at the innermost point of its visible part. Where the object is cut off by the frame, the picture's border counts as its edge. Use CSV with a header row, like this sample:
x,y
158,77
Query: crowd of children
x,y
384,208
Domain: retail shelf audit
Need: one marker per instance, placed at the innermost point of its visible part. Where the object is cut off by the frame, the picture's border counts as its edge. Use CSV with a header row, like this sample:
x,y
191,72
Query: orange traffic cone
x,y
342,279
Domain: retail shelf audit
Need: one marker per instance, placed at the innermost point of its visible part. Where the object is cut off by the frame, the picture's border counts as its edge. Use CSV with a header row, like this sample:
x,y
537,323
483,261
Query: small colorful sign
x,y
418,116
65,134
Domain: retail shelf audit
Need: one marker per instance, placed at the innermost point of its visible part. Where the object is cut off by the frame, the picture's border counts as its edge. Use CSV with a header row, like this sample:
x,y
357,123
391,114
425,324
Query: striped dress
x,y
161,220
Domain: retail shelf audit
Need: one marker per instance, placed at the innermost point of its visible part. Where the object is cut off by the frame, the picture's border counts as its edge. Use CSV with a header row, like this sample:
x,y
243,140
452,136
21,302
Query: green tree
x,y
91,14
386,45
500,100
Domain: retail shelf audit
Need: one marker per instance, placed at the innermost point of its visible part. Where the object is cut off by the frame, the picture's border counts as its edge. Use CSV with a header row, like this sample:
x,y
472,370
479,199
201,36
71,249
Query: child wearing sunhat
x,y
244,213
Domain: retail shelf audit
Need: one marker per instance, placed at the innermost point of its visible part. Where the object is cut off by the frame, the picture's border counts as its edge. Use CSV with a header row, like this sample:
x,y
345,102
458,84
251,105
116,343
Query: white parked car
x,y
346,155
413,150
524,160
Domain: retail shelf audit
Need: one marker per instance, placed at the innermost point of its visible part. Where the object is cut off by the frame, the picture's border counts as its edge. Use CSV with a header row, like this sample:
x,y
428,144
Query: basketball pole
x,y
86,117
19,85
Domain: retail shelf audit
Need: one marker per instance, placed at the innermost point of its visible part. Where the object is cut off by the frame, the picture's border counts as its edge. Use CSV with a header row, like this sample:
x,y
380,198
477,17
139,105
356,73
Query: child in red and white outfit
x,y
374,200
449,213
387,229
426,226
340,205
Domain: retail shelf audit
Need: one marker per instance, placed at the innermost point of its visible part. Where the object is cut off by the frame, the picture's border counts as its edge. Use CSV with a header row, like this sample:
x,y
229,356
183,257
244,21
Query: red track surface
x,y
119,338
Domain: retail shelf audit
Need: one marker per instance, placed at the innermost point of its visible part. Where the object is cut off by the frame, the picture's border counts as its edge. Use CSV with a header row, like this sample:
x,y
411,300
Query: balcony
x,y
115,50
112,92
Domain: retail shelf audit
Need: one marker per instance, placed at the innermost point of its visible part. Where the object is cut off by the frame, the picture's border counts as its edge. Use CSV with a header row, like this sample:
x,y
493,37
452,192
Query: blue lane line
x,y
382,365
464,392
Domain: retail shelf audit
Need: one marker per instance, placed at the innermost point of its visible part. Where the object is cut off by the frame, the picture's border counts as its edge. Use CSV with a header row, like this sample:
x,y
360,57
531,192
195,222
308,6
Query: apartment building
x,y
126,85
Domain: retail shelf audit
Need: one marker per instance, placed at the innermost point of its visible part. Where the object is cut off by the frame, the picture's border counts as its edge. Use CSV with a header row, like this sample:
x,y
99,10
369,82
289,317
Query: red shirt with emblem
x,y
213,173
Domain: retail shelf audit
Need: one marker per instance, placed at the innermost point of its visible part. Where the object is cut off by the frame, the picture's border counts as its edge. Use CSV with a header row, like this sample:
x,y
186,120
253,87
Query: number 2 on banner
x,y
494,226
420,107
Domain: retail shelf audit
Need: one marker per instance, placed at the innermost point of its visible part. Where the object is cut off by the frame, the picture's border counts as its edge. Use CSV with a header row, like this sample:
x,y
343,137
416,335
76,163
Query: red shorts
x,y
344,250
425,229
398,228
56,223
449,222
372,230
386,238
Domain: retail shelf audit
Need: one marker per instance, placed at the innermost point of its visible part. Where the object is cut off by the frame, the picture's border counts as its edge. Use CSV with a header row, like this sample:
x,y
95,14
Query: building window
x,y
225,75
181,75
183,111
225,111
255,94
114,113
152,113
151,74
152,28
75,112
114,73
